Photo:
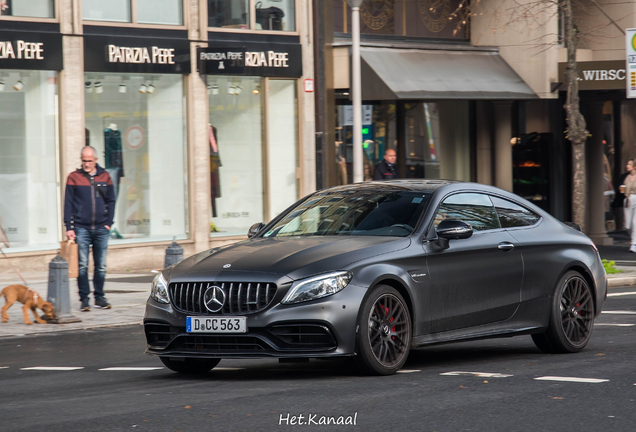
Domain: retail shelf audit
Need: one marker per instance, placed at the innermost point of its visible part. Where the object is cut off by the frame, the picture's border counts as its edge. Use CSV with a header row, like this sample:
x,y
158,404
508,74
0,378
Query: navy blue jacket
x,y
84,205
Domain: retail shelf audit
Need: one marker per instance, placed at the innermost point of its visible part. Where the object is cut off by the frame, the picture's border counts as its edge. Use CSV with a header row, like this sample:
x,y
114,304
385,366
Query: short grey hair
x,y
91,148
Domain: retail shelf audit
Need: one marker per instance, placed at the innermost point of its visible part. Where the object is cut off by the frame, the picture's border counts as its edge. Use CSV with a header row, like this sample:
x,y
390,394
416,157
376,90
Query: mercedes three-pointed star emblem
x,y
214,298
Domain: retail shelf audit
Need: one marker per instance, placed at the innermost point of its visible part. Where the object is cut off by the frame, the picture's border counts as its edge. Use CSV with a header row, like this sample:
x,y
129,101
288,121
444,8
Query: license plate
x,y
216,325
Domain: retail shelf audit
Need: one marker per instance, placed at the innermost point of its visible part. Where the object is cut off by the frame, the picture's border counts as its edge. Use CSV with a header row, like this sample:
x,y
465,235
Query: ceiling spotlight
x,y
230,90
18,86
122,88
257,89
150,89
238,90
88,85
1,85
215,89
98,87
143,88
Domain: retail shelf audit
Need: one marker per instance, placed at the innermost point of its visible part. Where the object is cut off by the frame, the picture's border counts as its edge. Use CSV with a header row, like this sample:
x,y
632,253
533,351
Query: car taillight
x,y
594,246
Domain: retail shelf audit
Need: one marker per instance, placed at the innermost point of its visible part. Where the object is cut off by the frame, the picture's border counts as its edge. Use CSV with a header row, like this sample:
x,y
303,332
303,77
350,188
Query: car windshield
x,y
361,213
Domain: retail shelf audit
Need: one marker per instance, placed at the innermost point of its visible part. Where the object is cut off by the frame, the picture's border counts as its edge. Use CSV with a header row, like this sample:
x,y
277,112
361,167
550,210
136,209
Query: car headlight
x,y
317,287
159,289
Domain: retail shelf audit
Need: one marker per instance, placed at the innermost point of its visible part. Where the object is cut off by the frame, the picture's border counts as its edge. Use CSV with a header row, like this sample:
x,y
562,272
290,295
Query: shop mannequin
x,y
215,164
114,160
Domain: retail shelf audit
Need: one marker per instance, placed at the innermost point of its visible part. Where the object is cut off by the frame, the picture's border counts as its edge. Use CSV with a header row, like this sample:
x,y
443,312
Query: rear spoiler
x,y
573,225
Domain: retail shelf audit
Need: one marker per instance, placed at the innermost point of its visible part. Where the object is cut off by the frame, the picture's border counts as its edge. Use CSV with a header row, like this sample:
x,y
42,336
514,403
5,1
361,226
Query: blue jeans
x,y
99,239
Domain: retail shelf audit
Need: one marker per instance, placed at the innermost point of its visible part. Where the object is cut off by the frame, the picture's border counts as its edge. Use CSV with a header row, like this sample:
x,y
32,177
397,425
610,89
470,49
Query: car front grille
x,y
241,298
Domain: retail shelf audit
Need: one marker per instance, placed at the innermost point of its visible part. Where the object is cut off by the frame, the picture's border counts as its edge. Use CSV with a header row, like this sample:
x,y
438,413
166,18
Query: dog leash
x,y
5,240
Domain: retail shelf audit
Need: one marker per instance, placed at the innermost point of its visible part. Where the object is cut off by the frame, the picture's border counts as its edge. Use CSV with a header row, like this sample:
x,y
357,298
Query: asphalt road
x,y
263,395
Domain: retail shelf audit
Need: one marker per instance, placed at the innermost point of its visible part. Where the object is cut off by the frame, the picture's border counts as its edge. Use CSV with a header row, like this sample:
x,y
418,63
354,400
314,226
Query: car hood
x,y
294,257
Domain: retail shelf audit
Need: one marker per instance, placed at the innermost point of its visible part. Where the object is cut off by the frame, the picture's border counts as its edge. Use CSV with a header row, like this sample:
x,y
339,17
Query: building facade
x,y
197,109
535,47
442,102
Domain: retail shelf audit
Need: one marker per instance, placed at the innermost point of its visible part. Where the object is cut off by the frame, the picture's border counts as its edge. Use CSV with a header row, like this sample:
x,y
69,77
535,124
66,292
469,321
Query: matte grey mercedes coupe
x,y
371,270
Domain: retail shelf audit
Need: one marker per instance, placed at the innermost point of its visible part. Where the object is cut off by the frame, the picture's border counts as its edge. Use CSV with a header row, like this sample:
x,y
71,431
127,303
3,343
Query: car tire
x,y
571,317
189,365
384,332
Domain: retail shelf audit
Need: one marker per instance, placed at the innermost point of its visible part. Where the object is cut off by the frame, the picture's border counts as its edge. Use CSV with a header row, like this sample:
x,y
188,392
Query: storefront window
x,y
436,140
283,142
160,12
228,13
236,153
137,124
277,15
28,186
113,10
28,8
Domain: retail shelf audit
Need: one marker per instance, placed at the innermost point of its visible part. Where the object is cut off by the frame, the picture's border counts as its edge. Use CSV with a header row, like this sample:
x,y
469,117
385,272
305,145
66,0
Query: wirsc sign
x,y
598,75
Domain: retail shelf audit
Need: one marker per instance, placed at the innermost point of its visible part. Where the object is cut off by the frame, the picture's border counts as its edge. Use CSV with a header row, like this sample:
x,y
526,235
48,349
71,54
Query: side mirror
x,y
450,229
254,229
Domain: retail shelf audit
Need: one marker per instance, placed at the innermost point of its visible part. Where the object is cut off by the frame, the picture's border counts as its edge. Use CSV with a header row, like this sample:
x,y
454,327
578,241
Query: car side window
x,y
473,208
513,215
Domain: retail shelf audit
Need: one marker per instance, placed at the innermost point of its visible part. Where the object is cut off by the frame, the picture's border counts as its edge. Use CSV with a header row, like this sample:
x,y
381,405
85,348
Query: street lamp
x,y
356,97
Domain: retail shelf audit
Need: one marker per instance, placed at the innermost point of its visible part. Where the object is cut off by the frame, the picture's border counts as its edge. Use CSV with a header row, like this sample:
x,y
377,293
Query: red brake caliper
x,y
390,320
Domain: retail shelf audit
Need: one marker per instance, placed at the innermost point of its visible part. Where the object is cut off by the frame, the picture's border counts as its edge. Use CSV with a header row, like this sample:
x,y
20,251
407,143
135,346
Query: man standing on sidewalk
x,y
386,169
89,207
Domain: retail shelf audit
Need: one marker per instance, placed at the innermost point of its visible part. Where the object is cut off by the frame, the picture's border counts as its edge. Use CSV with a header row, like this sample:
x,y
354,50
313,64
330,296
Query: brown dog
x,y
31,300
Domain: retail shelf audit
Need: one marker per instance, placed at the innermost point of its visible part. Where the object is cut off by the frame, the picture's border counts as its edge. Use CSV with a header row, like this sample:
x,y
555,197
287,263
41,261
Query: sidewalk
x,y
128,294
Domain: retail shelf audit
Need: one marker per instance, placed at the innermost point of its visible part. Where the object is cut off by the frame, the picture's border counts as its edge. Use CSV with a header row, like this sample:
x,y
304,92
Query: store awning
x,y
389,73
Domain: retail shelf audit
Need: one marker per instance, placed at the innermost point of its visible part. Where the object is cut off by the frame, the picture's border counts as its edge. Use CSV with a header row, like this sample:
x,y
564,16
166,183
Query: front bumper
x,y
321,328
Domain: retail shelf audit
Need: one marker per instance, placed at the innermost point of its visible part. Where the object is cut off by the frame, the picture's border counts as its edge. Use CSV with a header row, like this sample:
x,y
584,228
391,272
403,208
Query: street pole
x,y
356,96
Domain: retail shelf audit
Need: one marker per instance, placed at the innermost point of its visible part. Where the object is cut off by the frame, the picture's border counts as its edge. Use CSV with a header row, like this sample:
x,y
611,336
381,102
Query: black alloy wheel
x,y
385,332
571,318
189,365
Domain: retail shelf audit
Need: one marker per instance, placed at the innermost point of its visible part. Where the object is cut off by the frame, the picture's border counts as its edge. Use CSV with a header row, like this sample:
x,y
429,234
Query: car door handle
x,y
505,246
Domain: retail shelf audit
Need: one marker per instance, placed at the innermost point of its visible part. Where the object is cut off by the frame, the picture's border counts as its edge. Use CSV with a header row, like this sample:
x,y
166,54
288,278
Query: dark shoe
x,y
85,307
102,303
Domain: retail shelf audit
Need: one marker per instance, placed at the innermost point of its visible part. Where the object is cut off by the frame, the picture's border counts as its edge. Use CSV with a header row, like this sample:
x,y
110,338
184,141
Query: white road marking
x,y
620,312
4,367
408,370
615,325
622,294
477,374
53,368
572,379
130,368
227,369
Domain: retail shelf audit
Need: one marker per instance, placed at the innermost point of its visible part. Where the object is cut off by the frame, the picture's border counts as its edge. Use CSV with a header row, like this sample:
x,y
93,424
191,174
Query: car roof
x,y
403,184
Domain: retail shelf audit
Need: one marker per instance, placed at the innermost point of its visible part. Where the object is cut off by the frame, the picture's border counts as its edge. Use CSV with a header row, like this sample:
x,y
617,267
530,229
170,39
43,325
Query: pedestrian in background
x,y
386,169
629,189
89,208
619,200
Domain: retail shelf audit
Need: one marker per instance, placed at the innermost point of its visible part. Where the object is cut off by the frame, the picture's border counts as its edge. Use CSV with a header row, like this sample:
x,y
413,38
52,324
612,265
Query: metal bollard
x,y
174,254
58,291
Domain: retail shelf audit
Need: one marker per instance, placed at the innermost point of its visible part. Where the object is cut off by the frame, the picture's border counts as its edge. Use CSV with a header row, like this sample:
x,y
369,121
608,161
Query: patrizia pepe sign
x,y
128,54
276,60
154,55
22,50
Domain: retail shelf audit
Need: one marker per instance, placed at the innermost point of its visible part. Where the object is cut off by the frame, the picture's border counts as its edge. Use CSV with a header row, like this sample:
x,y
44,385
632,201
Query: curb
x,y
621,281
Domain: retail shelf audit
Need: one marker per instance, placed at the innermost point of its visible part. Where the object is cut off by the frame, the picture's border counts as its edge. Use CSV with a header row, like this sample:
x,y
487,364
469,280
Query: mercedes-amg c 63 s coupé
x,y
371,270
